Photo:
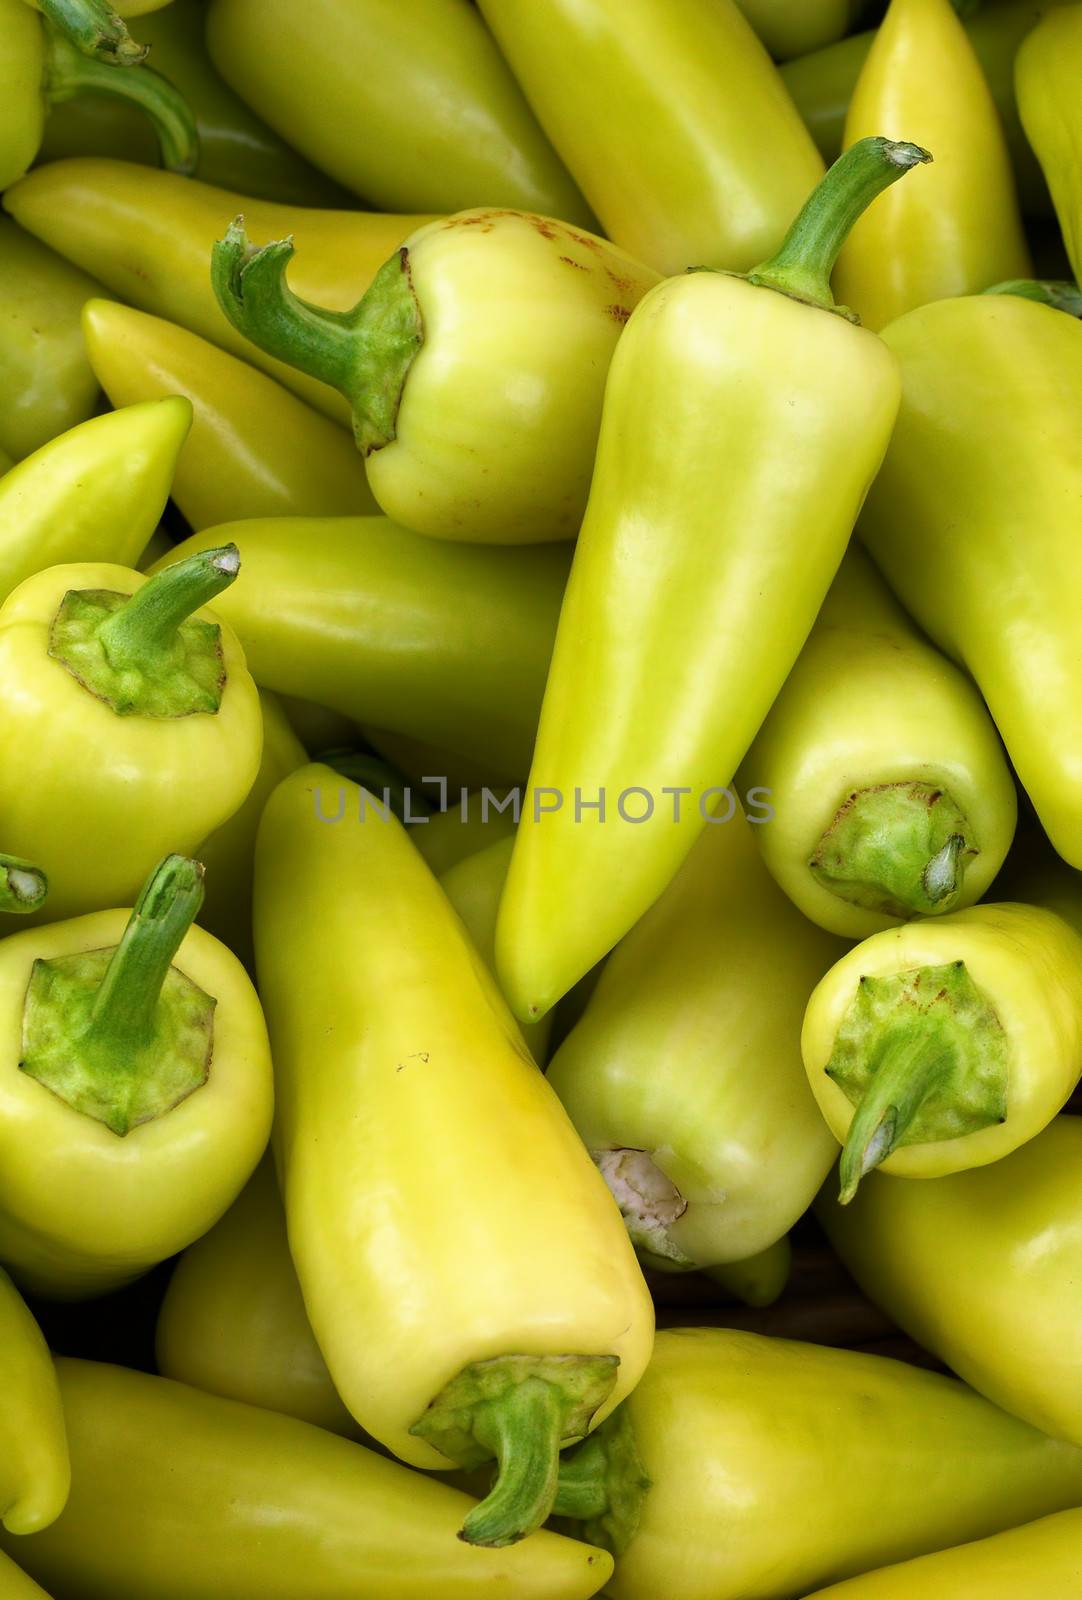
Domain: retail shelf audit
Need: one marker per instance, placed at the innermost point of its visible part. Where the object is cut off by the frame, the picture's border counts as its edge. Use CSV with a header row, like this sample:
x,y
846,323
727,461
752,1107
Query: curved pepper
x,y
15,1585
147,236
255,450
328,604
475,365
960,229
717,1481
269,1506
94,493
135,1097
411,109
233,1322
130,718
981,1268
42,68
692,592
671,119
236,149
789,29
945,1044
757,1280
683,1077
1046,77
890,793
1043,1558
46,381
973,521
35,1473
411,1114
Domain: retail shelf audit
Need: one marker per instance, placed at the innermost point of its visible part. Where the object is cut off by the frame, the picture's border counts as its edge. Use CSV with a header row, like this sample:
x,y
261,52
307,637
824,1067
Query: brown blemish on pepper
x,y
579,265
618,314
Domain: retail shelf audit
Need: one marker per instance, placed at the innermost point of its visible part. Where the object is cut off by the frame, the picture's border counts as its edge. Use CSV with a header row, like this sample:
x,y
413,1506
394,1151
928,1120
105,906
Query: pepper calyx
x,y
603,1485
900,849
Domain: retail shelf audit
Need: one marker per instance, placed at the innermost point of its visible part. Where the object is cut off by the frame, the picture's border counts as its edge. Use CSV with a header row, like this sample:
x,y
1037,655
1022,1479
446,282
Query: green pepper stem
x,y
524,1430
1056,293
802,266
146,625
910,1066
69,73
23,887
122,1017
582,1492
95,30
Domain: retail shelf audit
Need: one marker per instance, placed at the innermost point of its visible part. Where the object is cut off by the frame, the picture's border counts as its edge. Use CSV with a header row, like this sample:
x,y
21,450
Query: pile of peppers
x,y
540,799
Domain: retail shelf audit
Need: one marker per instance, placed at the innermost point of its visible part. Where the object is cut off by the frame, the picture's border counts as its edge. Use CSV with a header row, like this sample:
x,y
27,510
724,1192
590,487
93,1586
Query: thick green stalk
x,y
1059,294
95,30
146,625
69,73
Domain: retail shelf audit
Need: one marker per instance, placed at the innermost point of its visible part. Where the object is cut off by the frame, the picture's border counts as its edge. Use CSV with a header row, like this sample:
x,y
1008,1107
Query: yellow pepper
x,y
15,1585
672,120
890,793
255,450
960,229
462,830
177,1494
791,28
1046,76
414,1133
35,1473
133,724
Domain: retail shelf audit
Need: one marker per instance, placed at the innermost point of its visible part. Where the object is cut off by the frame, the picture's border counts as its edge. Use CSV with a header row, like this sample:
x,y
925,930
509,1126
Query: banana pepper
x,y
890,792
789,29
15,1585
683,1076
35,1473
475,364
130,718
136,1064
177,1493
1047,71
672,120
718,1480
255,450
973,522
415,1133
693,587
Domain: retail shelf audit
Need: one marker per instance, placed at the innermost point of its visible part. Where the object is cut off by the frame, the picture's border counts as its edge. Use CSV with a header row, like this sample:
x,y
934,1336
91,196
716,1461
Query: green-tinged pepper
x,y
233,1322
317,727
34,1469
421,762
94,493
236,149
46,382
255,450
890,792
720,1478
474,365
758,1280
744,418
412,109
130,718
981,1268
177,1494
135,1088
671,118
6,461
683,1077
959,229
15,1585
147,236
1030,1563
466,827
414,1132
41,67
449,643
794,27
973,521
1047,73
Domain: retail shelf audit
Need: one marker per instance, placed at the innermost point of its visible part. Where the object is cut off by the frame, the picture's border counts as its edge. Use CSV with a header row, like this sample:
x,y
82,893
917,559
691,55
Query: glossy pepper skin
x,y
111,777
475,365
1026,1563
46,382
1046,76
412,111
890,792
15,1585
426,1131
233,1321
683,1077
147,236
94,493
981,1269
236,149
269,1506
790,30
736,1434
255,450
694,582
972,521
721,158
329,602
160,1085
35,1473
960,229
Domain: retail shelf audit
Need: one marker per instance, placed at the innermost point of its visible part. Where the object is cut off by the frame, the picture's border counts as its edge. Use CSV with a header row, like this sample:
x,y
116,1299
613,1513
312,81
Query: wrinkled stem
x,y
1055,293
95,30
908,1069
523,1429
23,887
68,74
583,1489
146,625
